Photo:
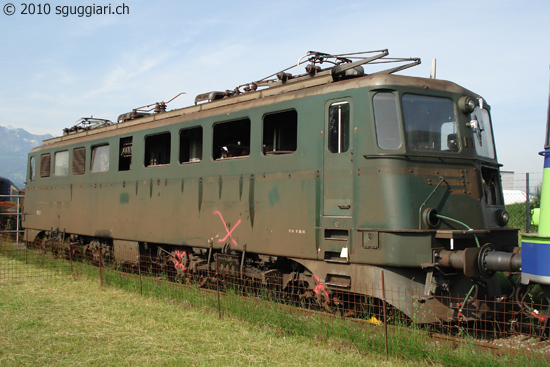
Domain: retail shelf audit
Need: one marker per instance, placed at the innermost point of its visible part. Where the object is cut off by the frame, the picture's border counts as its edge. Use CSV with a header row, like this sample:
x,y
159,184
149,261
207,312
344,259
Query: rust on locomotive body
x,y
324,178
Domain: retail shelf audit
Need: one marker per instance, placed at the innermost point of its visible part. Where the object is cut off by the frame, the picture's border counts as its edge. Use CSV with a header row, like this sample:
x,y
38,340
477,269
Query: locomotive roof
x,y
280,90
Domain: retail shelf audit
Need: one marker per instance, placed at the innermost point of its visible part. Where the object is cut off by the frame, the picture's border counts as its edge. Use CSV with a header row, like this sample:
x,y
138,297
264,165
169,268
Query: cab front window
x,y
430,123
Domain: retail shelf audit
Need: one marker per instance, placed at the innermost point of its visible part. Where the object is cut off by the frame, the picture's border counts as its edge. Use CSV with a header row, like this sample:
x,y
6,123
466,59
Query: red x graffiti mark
x,y
319,287
179,263
229,232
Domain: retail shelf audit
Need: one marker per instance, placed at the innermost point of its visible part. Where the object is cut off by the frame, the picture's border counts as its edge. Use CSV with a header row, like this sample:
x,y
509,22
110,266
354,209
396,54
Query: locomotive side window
x,y
100,158
430,123
483,133
61,163
125,154
191,145
157,149
388,133
338,127
231,139
31,169
45,162
79,161
280,133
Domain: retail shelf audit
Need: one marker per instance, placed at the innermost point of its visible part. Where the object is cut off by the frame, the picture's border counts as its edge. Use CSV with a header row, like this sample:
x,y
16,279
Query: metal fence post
x,y
218,288
385,317
71,259
139,272
99,261
17,221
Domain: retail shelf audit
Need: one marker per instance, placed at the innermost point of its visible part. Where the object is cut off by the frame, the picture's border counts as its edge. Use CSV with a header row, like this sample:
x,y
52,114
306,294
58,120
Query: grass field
x,y
60,321
50,318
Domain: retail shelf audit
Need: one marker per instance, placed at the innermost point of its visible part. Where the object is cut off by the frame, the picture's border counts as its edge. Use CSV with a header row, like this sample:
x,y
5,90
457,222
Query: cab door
x,y
338,160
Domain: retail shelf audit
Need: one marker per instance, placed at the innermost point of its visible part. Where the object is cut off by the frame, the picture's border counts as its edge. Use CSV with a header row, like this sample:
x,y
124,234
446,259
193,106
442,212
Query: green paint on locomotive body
x,y
308,204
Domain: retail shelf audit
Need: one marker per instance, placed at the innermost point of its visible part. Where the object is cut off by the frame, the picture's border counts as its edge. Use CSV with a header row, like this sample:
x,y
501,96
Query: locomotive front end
x,y
432,194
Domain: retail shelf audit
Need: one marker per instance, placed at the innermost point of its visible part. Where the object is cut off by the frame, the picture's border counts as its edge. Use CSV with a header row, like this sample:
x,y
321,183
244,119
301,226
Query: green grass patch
x,y
65,322
411,344
128,319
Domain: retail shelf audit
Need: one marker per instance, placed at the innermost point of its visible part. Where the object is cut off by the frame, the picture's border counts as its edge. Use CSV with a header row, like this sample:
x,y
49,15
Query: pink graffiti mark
x,y
179,263
229,232
319,287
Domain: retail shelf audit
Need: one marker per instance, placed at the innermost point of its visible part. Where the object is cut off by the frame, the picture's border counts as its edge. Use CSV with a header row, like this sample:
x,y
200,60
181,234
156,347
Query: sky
x,y
57,67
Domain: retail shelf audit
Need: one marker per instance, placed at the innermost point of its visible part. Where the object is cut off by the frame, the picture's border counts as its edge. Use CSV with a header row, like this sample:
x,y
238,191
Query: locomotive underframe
x,y
424,295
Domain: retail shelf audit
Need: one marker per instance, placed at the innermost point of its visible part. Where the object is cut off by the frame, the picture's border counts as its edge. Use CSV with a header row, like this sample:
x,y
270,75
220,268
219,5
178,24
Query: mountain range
x,y
15,144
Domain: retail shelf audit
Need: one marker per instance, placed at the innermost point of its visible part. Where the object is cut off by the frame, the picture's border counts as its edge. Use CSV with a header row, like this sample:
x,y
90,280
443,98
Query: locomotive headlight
x,y
503,217
467,104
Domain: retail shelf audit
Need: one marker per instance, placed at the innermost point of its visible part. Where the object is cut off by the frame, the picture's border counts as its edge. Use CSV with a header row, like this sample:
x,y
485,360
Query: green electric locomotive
x,y
327,183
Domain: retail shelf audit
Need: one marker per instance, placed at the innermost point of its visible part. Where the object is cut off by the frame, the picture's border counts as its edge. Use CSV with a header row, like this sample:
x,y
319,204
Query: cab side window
x,y
388,132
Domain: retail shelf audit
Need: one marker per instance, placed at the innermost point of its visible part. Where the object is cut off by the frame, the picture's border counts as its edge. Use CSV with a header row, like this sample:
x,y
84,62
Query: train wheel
x,y
297,293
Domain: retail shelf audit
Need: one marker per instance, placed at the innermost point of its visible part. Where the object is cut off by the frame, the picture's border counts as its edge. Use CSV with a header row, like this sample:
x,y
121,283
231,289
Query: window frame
x,y
45,169
395,129
341,138
191,146
483,129
93,159
32,168
272,125
61,163
125,153
149,151
79,165
426,128
232,144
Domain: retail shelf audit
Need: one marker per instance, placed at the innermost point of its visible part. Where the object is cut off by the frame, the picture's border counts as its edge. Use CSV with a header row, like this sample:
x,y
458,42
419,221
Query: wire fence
x,y
522,199
513,329
11,209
